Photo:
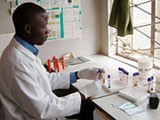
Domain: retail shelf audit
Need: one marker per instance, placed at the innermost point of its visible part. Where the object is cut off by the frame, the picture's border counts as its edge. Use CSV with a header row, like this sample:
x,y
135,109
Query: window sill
x,y
125,60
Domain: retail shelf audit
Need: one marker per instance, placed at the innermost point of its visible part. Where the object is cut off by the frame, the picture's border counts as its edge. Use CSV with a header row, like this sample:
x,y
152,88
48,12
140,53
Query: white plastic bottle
x,y
145,65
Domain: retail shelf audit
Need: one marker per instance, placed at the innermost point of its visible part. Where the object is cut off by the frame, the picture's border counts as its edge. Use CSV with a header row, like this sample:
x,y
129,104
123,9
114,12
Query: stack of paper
x,y
134,94
82,82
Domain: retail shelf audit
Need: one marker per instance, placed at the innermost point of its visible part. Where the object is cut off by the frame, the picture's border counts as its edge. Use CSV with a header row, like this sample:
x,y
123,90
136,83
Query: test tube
x,y
54,62
153,83
109,81
49,65
149,84
63,63
57,65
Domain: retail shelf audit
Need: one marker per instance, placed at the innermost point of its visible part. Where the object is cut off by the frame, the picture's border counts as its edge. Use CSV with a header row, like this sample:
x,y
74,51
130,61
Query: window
x,y
146,37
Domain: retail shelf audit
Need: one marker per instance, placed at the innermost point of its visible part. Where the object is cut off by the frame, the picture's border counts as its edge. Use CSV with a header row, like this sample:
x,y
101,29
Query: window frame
x,y
114,41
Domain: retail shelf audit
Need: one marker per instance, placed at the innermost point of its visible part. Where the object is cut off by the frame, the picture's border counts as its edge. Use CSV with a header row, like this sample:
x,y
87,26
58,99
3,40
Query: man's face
x,y
39,30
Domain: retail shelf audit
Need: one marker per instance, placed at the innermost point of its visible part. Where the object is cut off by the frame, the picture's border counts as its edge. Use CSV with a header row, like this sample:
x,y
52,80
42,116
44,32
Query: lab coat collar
x,y
23,49
28,46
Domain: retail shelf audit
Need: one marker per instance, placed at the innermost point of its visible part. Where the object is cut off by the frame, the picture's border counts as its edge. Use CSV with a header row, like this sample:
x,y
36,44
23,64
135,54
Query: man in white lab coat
x,y
25,85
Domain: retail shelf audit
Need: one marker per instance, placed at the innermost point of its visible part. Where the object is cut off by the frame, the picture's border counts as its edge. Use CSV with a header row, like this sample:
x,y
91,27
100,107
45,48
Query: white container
x,y
145,65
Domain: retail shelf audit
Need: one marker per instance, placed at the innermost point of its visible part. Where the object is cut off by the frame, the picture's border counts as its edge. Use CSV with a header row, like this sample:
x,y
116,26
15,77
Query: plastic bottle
x,y
145,65
98,74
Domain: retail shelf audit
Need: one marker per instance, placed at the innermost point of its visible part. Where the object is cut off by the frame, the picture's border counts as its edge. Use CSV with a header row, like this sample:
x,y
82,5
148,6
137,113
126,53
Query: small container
x,y
126,75
99,76
135,83
135,79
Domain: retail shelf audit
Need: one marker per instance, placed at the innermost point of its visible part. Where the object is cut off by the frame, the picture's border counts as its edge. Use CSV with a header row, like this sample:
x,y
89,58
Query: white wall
x,y
90,43
6,25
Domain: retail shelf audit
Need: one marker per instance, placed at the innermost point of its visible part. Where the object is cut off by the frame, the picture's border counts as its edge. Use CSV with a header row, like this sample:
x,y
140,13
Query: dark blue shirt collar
x,y
28,46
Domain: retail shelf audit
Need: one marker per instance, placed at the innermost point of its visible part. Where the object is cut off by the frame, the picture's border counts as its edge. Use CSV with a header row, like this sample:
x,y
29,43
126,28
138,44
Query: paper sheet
x,y
129,108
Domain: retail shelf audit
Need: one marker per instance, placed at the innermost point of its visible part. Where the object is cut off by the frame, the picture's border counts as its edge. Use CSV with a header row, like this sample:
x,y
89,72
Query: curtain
x,y
120,17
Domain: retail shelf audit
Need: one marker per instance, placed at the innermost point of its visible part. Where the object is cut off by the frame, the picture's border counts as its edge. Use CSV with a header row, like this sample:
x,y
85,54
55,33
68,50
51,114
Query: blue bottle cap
x,y
109,76
134,74
99,71
119,68
149,79
152,77
125,72
137,73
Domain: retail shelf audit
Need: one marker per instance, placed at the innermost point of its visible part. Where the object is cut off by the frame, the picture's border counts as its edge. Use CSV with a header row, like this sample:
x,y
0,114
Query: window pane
x,y
138,1
141,17
157,50
140,41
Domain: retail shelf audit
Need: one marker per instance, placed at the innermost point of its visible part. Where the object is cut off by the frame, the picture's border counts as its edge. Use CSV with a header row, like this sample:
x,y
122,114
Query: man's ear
x,y
27,28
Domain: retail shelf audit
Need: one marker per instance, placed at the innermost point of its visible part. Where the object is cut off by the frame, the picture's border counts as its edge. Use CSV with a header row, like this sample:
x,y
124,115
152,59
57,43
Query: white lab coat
x,y
26,88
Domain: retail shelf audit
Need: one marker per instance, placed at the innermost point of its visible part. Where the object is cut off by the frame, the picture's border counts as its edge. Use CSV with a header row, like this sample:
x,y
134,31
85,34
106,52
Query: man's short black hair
x,y
24,14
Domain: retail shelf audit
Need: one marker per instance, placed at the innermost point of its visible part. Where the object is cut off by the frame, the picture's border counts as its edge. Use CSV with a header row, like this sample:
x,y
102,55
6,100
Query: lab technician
x,y
25,85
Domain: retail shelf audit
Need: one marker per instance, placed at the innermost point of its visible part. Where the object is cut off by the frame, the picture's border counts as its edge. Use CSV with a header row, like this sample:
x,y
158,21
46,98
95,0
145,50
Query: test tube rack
x,y
56,64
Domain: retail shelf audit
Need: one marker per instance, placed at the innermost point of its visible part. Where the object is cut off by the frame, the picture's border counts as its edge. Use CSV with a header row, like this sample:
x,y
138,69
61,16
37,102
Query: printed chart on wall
x,y
65,17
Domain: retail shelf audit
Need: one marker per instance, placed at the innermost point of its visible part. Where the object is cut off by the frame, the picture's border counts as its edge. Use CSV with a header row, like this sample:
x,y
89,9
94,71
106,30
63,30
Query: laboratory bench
x,y
105,100
105,104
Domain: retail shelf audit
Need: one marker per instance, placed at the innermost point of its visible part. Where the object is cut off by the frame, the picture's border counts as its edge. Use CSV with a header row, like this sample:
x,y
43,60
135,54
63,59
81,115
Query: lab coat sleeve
x,y
59,80
28,94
